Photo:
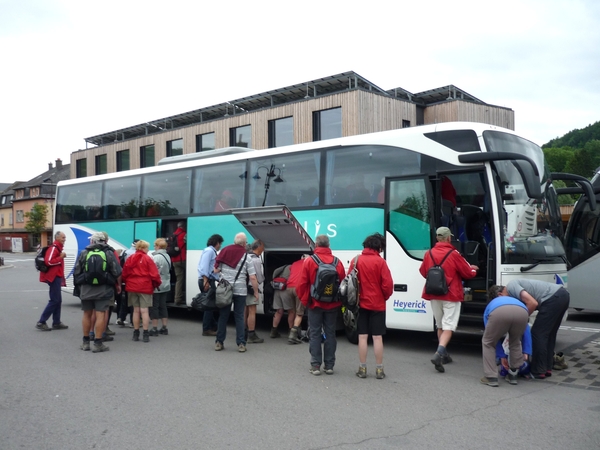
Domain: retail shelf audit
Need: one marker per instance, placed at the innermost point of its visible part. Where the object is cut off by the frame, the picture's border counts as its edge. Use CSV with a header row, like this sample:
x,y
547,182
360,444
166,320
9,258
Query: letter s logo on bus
x,y
331,229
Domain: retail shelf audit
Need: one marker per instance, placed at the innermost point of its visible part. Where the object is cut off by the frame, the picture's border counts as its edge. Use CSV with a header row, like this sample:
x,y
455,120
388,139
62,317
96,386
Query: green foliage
x,y
36,219
415,207
558,158
576,138
563,199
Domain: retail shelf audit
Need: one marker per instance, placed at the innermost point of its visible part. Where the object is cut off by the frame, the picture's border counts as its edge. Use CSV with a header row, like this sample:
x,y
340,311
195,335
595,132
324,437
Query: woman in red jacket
x,y
375,287
141,277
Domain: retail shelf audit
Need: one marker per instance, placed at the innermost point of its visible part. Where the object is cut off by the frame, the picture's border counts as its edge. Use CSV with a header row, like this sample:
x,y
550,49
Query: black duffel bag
x,y
205,301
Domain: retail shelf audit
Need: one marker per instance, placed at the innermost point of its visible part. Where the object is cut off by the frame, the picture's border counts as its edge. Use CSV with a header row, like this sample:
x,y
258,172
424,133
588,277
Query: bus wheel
x,y
350,317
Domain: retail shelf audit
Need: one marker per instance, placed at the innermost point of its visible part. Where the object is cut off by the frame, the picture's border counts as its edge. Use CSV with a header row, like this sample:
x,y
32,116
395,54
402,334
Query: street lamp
x,y
270,173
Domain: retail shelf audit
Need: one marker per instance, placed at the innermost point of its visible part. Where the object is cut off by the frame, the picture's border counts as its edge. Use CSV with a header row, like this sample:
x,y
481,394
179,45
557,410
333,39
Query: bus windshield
x,y
532,228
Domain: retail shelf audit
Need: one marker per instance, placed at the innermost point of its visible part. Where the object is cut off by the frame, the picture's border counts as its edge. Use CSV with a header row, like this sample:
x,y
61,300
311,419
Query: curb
x,y
7,267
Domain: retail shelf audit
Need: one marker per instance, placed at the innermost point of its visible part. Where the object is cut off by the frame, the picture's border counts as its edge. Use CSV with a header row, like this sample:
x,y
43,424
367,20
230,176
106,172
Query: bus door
x,y
408,214
284,238
582,246
146,230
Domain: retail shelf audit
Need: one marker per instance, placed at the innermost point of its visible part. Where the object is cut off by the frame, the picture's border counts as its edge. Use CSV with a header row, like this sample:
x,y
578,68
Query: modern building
x,y
20,198
339,105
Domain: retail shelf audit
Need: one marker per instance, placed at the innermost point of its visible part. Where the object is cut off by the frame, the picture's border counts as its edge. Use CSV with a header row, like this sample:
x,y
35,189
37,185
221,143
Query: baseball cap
x,y
443,232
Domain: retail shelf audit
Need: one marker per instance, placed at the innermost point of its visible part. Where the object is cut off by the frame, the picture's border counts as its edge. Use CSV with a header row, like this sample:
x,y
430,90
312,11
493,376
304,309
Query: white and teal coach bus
x,y
486,183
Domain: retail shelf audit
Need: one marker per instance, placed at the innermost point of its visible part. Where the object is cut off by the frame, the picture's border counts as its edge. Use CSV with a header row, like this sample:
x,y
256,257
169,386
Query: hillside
x,y
576,138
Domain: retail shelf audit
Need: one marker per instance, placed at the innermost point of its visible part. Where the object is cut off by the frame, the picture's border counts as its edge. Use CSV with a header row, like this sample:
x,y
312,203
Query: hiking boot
x,y
107,338
42,327
59,326
241,348
493,382
362,372
85,345
136,335
537,376
293,337
254,339
98,348
274,333
163,331
92,336
120,323
511,376
219,346
109,332
446,359
329,371
548,373
146,336
209,333
437,362
559,362
379,374
153,332
315,370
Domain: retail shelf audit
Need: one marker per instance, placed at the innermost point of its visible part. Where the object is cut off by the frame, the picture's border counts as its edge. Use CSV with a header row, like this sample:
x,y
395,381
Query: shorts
x,y
138,299
159,305
97,305
446,314
371,322
285,300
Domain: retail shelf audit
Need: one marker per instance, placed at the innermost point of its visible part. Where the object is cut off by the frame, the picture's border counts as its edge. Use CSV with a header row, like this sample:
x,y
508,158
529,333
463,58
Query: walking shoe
x,y
511,376
85,345
109,332
254,339
209,333
274,333
446,359
92,336
293,337
59,326
538,376
100,348
163,331
493,382
548,373
120,323
42,326
315,370
241,348
329,371
559,362
146,336
136,335
107,338
153,332
379,374
362,372
218,346
437,362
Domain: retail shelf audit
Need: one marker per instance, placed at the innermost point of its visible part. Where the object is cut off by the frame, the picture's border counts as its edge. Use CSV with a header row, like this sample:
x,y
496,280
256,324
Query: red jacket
x,y
56,264
295,272
307,277
375,279
456,268
140,274
180,233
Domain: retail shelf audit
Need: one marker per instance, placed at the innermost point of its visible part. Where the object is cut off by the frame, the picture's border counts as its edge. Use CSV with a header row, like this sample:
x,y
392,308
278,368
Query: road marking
x,y
583,329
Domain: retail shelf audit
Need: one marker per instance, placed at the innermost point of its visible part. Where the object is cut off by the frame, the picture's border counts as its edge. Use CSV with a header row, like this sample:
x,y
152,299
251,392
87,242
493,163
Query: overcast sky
x,y
72,69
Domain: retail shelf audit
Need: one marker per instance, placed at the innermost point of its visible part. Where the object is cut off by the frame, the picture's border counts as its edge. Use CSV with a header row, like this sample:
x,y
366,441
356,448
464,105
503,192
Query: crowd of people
x,y
309,286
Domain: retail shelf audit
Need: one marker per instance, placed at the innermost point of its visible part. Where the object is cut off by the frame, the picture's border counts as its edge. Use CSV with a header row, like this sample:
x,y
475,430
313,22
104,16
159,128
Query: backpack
x,y
349,286
95,268
435,281
279,282
172,246
327,283
40,259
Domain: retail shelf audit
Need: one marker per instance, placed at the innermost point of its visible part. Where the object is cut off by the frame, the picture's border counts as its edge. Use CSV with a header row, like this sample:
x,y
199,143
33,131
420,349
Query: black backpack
x,y
326,286
40,259
172,247
435,281
95,268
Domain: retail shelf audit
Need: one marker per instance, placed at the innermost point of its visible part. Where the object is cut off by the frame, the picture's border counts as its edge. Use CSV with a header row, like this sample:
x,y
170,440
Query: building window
x,y
281,132
241,136
327,124
101,164
147,156
20,216
175,148
406,124
10,219
1,220
122,160
81,168
205,142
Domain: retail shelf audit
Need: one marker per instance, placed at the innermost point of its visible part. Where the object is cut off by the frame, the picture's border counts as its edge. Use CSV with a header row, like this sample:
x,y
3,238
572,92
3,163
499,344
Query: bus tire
x,y
352,335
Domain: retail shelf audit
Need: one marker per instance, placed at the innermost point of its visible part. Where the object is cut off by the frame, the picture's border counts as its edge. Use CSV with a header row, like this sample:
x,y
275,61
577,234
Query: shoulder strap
x,y
316,259
163,255
240,269
447,254
432,258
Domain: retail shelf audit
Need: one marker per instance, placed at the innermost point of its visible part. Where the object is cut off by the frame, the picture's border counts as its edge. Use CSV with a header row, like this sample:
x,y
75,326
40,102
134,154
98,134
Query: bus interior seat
x,y
468,249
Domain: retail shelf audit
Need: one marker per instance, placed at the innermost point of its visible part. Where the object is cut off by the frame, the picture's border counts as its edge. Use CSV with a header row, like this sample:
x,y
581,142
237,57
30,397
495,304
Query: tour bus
x,y
487,184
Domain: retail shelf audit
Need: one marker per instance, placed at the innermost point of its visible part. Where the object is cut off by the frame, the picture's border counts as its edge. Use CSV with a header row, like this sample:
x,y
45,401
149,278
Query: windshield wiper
x,y
535,264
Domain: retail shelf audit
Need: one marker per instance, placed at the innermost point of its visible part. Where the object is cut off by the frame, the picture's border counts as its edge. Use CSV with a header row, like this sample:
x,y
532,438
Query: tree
x,y
36,219
557,158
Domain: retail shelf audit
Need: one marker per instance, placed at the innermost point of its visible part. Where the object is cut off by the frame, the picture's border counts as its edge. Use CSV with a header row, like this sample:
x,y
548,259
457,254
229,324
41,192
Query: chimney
x,y
49,166
59,163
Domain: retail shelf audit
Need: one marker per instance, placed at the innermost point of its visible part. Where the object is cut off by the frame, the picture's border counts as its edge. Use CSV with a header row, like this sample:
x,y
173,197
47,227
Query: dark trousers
x,y
322,320
209,322
545,329
122,308
55,303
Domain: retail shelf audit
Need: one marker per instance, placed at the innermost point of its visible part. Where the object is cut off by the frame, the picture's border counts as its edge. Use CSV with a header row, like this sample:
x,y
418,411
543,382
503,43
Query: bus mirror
x,y
583,183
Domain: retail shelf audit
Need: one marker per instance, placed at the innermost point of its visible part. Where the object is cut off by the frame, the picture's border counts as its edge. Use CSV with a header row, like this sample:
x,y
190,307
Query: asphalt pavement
x,y
176,392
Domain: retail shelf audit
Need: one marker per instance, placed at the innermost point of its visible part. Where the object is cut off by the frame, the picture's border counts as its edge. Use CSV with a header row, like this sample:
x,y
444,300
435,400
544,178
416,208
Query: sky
x,y
73,69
